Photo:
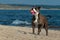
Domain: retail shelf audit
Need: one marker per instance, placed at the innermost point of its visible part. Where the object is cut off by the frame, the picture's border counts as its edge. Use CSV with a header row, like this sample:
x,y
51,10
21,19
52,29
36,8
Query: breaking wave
x,y
18,22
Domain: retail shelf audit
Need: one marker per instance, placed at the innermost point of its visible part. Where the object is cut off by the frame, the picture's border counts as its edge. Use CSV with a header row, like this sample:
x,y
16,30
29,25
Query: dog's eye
x,y
32,9
35,8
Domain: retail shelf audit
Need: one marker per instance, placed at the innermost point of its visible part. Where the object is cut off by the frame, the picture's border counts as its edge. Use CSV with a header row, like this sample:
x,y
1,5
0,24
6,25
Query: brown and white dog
x,y
39,19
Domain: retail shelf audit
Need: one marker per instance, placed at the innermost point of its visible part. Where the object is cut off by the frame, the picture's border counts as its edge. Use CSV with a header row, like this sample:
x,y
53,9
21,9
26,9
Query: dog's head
x,y
35,10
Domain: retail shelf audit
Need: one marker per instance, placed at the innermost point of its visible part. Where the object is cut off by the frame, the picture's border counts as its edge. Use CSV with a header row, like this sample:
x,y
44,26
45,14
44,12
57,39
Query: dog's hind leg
x,y
46,29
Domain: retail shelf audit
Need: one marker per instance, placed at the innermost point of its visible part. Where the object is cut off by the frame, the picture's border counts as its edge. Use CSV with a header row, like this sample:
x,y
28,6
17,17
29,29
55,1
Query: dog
x,y
38,19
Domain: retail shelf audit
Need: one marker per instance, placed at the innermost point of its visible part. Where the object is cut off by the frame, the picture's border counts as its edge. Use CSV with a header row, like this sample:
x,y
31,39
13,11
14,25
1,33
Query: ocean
x,y
24,17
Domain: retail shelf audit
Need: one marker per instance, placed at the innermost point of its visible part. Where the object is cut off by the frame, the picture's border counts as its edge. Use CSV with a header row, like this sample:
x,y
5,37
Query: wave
x,y
16,22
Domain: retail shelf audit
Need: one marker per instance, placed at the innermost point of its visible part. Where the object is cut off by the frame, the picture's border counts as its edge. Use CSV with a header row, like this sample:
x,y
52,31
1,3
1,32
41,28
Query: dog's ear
x,y
38,8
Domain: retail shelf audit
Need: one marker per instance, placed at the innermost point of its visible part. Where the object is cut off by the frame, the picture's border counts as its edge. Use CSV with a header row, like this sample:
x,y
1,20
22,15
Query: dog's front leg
x,y
33,28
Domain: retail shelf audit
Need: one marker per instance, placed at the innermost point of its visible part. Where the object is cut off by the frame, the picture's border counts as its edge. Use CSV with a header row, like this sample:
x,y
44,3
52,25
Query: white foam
x,y
20,22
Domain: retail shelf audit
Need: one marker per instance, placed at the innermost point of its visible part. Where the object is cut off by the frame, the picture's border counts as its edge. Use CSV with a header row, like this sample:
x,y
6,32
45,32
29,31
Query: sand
x,y
25,33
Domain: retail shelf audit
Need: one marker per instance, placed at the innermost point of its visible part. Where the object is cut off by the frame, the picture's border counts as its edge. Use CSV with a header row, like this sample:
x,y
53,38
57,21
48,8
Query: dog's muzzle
x,y
32,12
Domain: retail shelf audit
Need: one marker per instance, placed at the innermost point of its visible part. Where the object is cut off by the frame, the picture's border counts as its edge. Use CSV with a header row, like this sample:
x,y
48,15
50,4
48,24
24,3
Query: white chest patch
x,y
36,16
36,20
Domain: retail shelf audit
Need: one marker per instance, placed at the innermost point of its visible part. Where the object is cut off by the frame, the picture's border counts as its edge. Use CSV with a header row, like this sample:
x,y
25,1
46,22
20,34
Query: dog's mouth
x,y
32,12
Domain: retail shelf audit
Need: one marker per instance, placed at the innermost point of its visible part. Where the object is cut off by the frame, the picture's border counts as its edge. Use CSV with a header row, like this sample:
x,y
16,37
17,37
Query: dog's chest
x,y
36,18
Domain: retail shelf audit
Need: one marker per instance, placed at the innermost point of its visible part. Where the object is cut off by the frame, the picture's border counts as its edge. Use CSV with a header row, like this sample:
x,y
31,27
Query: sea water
x,y
24,17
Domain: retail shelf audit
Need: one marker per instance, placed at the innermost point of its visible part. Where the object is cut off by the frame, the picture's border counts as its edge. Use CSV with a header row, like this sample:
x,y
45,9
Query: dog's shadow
x,y
24,32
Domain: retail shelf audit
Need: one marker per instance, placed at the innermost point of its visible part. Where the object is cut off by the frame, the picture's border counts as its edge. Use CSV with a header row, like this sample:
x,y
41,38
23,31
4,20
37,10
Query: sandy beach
x,y
25,33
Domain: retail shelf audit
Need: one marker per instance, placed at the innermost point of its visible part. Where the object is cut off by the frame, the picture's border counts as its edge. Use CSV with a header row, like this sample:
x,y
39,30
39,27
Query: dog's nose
x,y
32,12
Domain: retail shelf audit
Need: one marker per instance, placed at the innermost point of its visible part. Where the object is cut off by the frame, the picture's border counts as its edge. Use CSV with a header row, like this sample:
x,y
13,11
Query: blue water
x,y
24,17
